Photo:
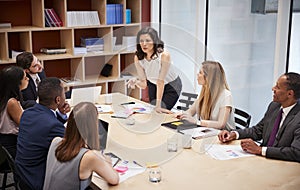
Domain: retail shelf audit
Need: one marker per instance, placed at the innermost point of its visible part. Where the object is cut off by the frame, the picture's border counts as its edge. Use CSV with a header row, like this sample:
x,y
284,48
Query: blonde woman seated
x,y
213,107
72,160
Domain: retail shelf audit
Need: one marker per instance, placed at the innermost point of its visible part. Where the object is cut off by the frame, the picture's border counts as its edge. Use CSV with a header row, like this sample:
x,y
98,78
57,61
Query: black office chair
x,y
242,119
6,167
188,100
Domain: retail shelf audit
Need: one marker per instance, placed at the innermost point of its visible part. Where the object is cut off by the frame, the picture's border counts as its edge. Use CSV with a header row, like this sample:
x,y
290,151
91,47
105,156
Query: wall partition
x,y
244,42
294,56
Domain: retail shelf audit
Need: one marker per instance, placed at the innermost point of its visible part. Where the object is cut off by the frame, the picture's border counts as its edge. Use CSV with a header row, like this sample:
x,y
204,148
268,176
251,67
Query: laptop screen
x,y
103,130
87,94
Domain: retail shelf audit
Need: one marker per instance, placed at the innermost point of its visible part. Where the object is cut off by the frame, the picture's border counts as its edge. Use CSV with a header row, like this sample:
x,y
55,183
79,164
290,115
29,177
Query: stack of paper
x,y
200,132
80,50
104,109
225,152
129,43
123,114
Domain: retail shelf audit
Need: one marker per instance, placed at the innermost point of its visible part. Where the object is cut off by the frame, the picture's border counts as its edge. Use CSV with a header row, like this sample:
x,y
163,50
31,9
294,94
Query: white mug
x,y
108,98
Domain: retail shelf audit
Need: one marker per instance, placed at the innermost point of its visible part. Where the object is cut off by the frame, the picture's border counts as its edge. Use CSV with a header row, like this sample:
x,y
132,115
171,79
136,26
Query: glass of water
x,y
172,143
155,174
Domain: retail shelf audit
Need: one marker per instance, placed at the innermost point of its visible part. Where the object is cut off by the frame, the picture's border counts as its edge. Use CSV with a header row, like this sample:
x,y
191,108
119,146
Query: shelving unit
x,y
28,33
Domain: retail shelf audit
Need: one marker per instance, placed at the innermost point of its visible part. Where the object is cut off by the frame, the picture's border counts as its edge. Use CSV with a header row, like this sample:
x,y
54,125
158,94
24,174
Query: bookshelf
x,y
29,33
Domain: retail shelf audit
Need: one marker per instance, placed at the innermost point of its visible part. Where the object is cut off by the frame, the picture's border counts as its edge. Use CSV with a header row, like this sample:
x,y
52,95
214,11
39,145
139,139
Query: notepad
x,y
104,109
180,124
123,114
200,132
138,108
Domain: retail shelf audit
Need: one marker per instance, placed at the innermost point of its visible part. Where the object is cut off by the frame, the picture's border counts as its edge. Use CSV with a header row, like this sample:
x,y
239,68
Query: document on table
x,y
226,152
104,108
132,169
139,108
126,169
200,132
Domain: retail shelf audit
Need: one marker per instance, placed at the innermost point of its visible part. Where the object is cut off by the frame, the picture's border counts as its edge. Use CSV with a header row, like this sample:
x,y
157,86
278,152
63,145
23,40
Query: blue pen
x,y
138,164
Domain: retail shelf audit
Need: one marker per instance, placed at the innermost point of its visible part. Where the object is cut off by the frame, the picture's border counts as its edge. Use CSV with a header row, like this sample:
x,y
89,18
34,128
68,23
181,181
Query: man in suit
x,y
38,126
281,140
35,73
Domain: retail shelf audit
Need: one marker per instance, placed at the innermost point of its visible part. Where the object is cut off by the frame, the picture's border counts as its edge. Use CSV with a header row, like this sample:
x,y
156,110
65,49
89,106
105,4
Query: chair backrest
x,y
242,119
188,100
11,163
9,158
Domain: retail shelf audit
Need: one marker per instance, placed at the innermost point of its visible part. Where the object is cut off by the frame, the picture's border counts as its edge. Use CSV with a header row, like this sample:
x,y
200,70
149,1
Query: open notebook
x,y
87,94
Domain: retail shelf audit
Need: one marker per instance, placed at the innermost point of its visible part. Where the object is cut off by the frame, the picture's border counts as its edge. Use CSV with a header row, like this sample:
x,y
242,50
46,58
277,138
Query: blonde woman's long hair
x,y
215,83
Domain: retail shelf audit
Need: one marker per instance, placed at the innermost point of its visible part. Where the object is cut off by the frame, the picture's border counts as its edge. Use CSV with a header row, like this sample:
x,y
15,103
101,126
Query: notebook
x,y
88,94
180,124
103,130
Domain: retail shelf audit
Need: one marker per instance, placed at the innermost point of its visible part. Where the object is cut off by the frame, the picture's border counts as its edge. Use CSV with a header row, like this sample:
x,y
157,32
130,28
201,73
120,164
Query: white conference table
x,y
189,169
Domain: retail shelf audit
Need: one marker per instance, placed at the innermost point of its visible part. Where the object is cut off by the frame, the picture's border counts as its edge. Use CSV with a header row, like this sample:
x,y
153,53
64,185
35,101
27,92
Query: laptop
x,y
103,130
87,94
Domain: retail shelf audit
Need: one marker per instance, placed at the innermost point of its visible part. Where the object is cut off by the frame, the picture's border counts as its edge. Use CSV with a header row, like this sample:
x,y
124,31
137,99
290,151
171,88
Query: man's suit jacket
x,y
38,126
287,142
30,93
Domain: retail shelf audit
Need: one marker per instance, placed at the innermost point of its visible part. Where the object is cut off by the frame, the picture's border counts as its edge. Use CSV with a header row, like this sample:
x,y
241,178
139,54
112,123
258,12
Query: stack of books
x,y
80,50
114,14
129,43
82,18
93,44
52,19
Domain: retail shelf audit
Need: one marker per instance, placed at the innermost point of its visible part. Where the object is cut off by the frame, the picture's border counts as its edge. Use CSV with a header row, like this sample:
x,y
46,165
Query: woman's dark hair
x,y
10,80
24,60
157,43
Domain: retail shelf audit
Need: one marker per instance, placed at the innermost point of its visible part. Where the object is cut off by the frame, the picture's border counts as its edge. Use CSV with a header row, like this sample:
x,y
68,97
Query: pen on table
x,y
138,164
127,103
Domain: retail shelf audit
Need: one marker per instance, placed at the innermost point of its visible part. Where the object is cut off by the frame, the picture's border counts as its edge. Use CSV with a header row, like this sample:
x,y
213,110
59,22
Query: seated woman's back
x,y
68,171
75,157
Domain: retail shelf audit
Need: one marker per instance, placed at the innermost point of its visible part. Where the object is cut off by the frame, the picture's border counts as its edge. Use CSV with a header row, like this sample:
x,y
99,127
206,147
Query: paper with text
x,y
226,152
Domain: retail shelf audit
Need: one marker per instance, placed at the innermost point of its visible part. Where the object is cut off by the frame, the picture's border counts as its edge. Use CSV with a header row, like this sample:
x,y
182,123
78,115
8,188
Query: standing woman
x,y
12,80
214,106
75,157
155,70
